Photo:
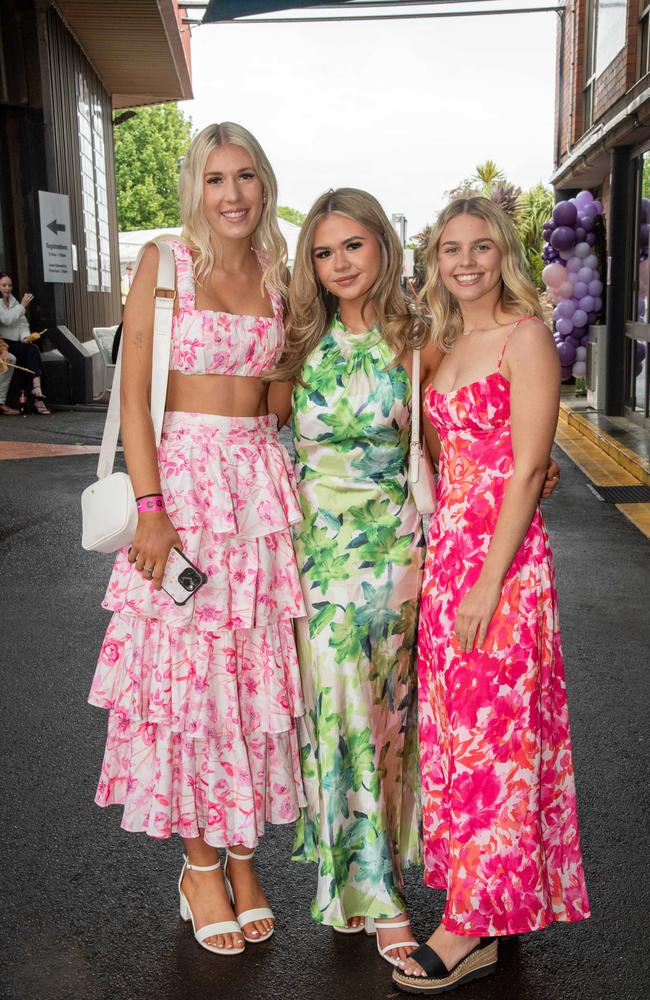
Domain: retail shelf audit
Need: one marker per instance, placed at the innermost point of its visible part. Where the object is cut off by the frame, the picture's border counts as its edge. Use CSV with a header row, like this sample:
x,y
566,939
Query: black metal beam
x,y
619,247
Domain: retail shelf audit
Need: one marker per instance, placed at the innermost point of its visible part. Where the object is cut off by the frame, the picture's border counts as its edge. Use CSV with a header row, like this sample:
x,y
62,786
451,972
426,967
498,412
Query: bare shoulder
x,y
531,343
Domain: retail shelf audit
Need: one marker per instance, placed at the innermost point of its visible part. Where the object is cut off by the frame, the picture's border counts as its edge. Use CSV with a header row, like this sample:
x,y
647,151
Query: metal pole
x,y
618,268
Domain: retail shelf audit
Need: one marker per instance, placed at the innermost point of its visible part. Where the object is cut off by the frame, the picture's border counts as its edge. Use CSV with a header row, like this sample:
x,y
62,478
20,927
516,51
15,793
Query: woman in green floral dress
x,y
360,549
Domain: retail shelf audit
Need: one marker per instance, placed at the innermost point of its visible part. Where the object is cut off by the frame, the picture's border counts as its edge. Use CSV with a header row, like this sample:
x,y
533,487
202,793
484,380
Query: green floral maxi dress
x,y
360,552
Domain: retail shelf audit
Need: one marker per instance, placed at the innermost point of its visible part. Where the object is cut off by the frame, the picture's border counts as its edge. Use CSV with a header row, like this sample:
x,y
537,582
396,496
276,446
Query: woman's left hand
x,y
552,479
474,615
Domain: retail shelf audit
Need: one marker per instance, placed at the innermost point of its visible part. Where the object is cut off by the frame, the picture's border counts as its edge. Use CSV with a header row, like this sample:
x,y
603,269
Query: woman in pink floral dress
x,y
203,698
500,826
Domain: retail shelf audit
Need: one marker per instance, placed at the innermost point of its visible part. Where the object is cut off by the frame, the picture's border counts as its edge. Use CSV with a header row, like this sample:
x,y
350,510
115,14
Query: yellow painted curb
x,y
623,456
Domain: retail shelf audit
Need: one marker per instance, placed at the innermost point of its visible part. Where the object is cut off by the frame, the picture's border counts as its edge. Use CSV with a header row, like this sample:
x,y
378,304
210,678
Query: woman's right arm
x,y
430,358
155,534
280,401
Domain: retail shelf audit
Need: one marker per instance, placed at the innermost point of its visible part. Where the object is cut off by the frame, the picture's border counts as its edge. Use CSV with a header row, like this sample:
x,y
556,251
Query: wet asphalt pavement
x,y
92,912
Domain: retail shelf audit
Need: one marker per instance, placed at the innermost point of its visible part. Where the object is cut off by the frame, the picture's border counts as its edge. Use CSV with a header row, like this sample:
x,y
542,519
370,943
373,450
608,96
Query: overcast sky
x,y
404,109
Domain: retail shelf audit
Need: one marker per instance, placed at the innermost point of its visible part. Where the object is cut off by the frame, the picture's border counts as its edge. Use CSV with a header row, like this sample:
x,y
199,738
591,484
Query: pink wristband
x,y
146,504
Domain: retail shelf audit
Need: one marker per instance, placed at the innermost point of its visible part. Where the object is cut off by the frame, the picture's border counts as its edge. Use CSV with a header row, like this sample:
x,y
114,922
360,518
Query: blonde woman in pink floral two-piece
x,y
499,814
203,698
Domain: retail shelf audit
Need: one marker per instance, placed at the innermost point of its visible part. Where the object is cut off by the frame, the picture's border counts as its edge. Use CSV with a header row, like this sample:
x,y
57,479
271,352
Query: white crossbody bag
x,y
108,511
420,475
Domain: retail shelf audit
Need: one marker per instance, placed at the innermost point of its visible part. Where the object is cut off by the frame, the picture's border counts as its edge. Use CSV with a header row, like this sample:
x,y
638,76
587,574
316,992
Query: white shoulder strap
x,y
414,453
164,294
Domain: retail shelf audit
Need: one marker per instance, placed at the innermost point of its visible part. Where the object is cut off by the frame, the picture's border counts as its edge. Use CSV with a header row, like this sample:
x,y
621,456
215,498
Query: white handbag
x,y
420,474
108,511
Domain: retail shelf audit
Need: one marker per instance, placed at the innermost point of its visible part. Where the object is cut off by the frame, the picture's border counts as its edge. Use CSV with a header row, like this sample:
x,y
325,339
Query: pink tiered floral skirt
x,y
203,699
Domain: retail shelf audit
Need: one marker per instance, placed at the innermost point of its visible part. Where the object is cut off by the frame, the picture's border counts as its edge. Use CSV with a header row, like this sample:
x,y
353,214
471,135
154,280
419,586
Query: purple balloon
x,y
563,238
643,234
587,223
564,327
599,206
590,239
574,338
580,233
579,318
573,264
584,198
585,274
565,309
598,303
567,353
565,214
589,211
640,350
595,287
587,303
565,254
582,250
645,210
580,289
592,262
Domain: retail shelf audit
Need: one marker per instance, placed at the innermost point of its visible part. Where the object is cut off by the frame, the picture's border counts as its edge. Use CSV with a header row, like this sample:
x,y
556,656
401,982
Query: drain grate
x,y
622,494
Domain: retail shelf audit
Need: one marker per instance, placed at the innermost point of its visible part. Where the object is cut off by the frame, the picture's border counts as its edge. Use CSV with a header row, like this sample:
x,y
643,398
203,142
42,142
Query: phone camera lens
x,y
189,579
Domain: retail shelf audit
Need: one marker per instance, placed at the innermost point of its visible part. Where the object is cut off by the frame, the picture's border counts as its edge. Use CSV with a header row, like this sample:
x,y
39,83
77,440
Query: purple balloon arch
x,y
572,277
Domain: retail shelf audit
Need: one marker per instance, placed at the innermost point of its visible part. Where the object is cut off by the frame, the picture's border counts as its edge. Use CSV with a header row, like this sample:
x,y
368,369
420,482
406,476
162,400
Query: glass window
x,y
92,159
612,21
591,20
643,57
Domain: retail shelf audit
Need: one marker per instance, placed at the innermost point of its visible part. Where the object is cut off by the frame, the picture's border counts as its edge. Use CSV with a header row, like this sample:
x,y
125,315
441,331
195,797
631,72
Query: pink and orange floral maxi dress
x,y
202,699
500,824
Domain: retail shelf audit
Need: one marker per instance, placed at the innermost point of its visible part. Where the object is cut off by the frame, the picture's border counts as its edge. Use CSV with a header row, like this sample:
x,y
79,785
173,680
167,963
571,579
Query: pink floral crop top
x,y
205,342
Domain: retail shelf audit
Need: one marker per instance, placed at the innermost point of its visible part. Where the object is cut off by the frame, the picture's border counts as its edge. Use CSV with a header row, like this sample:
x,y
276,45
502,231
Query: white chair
x,y
103,337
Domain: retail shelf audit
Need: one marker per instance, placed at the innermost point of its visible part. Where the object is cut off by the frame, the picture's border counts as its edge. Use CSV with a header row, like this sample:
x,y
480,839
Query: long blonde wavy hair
x,y
311,307
518,294
267,238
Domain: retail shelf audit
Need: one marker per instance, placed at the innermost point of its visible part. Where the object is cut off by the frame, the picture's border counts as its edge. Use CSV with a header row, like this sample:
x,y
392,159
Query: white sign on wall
x,y
56,239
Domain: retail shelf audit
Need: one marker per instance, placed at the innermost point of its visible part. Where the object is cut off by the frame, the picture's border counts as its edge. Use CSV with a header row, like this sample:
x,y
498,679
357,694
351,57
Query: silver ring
x,y
148,570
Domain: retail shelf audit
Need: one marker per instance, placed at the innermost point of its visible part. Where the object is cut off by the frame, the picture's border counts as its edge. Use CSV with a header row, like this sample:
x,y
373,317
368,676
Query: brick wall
x,y
612,84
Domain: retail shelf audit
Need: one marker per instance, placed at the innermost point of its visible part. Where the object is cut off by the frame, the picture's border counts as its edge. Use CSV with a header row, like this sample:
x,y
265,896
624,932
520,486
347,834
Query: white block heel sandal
x,y
372,926
247,916
221,927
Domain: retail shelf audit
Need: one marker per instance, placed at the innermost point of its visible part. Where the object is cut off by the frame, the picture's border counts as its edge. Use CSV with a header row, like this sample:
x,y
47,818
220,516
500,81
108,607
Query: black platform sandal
x,y
481,961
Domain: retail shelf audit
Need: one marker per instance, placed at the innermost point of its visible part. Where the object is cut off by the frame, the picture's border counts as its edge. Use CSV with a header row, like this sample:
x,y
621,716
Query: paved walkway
x,y
90,912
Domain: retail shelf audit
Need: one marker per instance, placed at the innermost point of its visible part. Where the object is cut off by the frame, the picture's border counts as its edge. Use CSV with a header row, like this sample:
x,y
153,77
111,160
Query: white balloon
x,y
579,369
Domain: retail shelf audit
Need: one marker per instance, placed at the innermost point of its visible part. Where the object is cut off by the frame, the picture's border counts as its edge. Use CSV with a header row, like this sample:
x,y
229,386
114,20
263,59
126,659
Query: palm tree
x,y
486,176
536,209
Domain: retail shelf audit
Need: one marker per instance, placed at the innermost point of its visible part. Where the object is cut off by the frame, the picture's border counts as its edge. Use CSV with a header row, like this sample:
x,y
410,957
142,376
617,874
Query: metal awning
x,y
139,48
227,10
249,11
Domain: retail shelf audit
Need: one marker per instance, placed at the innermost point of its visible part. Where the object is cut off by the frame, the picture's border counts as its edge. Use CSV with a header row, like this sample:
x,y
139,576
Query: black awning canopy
x,y
228,10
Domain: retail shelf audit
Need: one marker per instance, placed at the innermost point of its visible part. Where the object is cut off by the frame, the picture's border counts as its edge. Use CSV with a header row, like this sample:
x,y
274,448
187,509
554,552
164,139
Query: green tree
x,y
291,215
148,148
536,207
489,181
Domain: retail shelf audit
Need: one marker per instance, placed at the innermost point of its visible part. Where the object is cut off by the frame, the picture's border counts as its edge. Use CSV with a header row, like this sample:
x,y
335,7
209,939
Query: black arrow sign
x,y
56,227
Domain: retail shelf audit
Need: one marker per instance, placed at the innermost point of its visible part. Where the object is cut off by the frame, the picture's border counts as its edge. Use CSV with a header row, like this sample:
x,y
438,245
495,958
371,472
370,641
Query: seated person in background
x,y
15,330
6,359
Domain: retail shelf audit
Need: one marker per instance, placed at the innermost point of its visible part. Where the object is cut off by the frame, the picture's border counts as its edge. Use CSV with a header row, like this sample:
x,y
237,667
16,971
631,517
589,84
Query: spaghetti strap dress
x,y
360,553
203,699
499,814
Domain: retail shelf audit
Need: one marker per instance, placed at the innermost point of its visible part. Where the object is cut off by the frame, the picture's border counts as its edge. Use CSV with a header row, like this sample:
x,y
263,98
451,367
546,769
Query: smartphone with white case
x,y
181,578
